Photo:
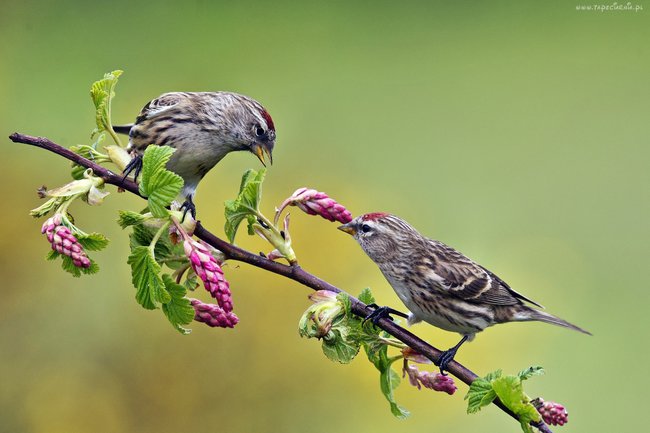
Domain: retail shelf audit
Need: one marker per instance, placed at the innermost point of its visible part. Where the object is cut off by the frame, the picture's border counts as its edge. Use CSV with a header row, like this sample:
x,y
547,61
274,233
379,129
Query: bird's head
x,y
381,235
250,126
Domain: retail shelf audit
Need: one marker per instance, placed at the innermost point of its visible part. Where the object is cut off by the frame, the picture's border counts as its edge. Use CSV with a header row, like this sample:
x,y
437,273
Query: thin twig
x,y
294,272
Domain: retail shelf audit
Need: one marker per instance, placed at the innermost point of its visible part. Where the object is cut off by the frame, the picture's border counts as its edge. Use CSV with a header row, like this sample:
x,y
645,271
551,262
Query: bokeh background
x,y
515,131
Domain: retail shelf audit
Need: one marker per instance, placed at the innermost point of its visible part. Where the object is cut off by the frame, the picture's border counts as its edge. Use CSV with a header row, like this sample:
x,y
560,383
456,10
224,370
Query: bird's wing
x,y
164,104
463,278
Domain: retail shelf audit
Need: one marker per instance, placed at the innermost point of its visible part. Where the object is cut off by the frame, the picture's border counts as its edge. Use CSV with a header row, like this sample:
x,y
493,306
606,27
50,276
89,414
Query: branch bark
x,y
295,272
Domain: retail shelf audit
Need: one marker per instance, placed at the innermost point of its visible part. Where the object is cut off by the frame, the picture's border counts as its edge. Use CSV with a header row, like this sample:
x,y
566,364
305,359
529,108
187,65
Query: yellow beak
x,y
348,228
261,151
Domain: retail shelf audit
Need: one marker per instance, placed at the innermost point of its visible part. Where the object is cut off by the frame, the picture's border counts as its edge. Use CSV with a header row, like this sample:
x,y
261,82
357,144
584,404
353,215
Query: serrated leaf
x,y
191,281
535,370
511,393
179,310
128,218
52,255
366,296
250,193
480,394
145,275
388,379
493,375
93,241
158,184
102,92
246,205
337,345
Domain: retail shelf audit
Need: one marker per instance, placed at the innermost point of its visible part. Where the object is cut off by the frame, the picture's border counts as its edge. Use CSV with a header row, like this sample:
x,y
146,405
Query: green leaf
x,y
366,296
191,281
535,370
234,216
337,345
128,218
388,379
250,191
246,205
145,277
102,92
511,393
179,310
142,235
93,241
509,390
158,184
52,255
344,299
480,394
493,375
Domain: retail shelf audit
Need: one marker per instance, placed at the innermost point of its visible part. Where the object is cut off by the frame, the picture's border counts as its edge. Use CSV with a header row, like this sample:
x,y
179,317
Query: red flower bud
x,y
207,268
64,242
213,315
314,202
552,413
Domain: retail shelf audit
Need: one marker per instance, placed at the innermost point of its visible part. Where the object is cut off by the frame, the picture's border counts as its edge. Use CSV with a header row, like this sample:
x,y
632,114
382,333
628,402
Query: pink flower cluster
x,y
213,315
428,379
64,242
317,203
208,270
552,413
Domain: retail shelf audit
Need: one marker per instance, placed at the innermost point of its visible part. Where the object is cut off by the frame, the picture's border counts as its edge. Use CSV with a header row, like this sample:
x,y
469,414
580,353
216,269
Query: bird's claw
x,y
188,206
382,313
135,166
445,358
448,355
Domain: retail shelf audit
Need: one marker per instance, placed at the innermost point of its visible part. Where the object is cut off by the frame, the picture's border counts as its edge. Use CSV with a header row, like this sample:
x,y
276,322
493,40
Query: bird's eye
x,y
365,228
259,131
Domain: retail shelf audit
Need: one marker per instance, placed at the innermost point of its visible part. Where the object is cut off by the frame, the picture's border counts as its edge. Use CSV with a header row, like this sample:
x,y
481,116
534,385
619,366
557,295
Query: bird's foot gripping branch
x,y
171,256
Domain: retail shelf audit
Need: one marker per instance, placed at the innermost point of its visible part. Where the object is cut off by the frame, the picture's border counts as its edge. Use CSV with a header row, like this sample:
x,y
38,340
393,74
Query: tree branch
x,y
295,272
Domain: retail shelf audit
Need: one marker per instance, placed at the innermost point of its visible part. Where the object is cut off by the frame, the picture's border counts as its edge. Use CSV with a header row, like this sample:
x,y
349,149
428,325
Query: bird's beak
x,y
348,228
262,149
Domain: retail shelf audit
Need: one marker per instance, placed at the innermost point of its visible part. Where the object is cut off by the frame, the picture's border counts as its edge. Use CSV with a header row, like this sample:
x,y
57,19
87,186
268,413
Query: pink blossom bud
x,y
64,242
314,202
208,270
552,413
428,379
213,315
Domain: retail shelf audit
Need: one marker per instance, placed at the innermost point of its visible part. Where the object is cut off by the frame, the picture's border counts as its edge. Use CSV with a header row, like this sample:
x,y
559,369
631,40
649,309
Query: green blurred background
x,y
515,131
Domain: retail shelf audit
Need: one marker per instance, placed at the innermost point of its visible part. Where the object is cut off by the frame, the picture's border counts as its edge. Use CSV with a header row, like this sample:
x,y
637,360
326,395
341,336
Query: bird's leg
x,y
135,166
382,313
448,355
189,206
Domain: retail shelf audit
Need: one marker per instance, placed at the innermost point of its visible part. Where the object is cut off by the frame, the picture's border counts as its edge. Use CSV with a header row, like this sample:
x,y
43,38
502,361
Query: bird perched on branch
x,y
203,127
438,284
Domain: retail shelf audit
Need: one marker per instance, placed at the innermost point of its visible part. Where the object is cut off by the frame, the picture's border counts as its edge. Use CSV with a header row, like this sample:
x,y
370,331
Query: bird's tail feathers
x,y
122,129
531,314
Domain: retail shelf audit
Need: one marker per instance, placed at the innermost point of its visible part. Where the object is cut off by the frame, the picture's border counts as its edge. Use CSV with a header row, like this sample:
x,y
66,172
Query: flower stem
x,y
154,241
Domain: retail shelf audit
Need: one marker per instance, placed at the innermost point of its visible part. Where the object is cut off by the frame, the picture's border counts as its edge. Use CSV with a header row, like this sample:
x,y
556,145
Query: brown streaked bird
x,y
438,284
203,127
